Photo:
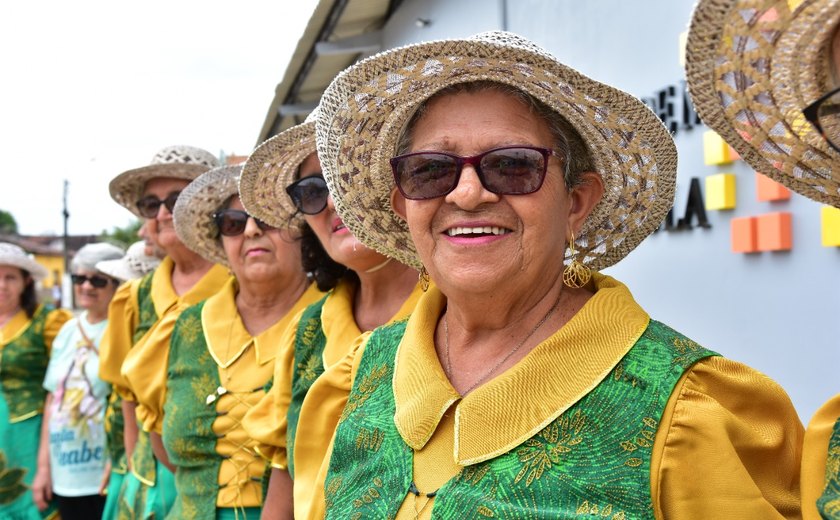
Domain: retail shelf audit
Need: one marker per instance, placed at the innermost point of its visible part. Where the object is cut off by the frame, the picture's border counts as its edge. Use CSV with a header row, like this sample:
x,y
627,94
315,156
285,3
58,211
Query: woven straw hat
x,y
271,167
134,264
14,255
176,162
366,107
194,210
752,66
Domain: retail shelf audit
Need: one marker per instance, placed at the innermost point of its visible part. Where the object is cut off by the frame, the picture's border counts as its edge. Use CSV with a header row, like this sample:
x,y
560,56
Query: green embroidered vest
x,y
829,503
23,363
309,364
143,458
593,460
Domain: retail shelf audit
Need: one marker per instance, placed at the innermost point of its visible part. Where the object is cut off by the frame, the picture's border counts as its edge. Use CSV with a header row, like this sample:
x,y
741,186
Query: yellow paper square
x,y
715,149
720,191
830,217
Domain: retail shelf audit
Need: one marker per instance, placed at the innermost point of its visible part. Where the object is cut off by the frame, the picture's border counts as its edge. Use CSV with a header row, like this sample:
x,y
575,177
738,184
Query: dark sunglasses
x,y
232,222
149,205
309,195
97,281
510,170
824,114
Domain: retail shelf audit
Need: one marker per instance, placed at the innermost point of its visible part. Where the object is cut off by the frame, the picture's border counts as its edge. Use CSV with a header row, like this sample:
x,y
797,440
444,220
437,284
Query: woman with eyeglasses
x,y
222,351
765,75
282,184
145,310
27,332
72,456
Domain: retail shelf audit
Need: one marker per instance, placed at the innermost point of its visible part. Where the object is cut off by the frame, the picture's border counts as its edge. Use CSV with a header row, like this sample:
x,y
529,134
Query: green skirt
x,y
229,513
139,501
18,463
112,496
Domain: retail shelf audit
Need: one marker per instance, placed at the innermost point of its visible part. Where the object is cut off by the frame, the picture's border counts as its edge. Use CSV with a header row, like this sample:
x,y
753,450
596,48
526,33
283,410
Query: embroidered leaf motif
x,y
189,328
308,370
546,448
485,511
11,481
369,383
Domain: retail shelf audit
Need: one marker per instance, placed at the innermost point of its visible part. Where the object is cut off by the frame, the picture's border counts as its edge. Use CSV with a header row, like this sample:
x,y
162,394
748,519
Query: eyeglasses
x,y
510,170
309,194
149,205
97,281
824,114
232,222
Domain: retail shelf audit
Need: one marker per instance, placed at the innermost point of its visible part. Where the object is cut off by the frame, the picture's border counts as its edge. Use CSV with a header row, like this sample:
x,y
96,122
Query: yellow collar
x,y
164,295
15,327
514,406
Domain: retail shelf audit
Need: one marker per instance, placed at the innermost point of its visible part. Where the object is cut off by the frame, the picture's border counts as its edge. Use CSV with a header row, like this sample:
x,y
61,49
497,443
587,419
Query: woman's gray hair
x,y
568,143
88,256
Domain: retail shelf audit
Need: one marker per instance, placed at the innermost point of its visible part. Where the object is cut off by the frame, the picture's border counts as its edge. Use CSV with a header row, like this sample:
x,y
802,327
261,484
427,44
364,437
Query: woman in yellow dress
x,y
146,309
765,75
521,387
27,331
282,184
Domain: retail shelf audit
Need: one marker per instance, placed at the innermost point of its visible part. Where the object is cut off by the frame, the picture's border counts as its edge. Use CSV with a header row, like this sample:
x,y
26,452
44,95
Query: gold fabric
x,y
144,367
123,315
728,445
814,455
20,321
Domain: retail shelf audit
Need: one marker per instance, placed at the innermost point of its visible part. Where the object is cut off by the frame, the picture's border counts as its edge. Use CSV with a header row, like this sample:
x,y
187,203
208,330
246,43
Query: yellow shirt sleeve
x,y
814,455
266,422
55,320
117,339
728,446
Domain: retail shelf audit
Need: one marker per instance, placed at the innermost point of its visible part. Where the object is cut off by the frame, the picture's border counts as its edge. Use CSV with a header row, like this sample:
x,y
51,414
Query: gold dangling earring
x,y
575,275
424,278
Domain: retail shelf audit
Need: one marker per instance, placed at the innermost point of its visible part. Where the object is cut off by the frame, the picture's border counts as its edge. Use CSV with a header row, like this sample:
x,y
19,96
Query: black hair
x,y
29,298
325,271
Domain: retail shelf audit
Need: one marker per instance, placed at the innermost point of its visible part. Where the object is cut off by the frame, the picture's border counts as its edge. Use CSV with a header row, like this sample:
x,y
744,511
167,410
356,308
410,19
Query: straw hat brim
x,y
366,107
36,270
271,167
133,265
127,188
752,66
193,213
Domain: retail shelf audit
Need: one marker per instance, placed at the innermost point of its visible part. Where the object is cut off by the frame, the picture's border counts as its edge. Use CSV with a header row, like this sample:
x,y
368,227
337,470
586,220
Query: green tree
x,y
8,224
124,236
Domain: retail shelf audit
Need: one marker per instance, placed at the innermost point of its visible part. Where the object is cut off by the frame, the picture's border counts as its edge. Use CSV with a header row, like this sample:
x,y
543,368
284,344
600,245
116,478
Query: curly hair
x,y
325,271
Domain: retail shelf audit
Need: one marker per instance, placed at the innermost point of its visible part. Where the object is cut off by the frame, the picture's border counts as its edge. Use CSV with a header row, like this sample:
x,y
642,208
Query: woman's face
x,y
474,239
261,256
94,299
161,187
336,239
12,284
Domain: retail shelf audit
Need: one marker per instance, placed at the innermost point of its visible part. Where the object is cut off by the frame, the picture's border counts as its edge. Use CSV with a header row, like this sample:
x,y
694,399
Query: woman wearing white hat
x,y
146,309
72,456
765,75
222,350
282,182
27,331
521,387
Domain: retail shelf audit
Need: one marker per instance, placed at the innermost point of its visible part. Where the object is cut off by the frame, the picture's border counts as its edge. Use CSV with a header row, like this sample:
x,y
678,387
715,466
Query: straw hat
x,y
176,162
134,264
271,167
366,107
14,255
752,66
194,210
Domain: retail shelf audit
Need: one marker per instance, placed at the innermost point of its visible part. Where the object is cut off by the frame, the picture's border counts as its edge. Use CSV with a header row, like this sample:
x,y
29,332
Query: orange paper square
x,y
774,232
767,189
744,237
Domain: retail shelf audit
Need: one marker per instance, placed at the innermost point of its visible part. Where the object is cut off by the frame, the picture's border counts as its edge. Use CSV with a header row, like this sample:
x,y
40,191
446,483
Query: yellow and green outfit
x,y
293,427
149,489
821,464
216,372
613,416
24,354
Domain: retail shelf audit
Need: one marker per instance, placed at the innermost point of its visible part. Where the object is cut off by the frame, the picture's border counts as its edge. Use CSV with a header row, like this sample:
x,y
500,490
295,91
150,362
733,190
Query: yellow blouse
x,y
144,367
728,445
814,455
123,316
17,325
267,422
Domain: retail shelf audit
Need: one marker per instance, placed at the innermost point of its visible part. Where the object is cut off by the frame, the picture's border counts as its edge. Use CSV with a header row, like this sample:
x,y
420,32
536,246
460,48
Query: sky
x,y
92,88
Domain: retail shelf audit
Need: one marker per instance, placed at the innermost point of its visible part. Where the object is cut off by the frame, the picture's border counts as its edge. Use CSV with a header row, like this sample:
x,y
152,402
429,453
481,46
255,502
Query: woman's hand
x,y
106,479
42,487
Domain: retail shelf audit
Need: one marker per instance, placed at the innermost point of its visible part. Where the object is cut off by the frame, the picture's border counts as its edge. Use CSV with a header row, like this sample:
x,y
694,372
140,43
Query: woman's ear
x,y
398,203
584,197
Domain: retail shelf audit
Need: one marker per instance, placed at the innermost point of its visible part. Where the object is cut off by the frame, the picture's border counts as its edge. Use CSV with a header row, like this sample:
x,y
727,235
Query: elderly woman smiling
x,y
519,387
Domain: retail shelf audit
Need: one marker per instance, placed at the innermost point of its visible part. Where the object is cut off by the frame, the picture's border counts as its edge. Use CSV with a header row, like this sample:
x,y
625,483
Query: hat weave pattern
x,y
752,67
366,108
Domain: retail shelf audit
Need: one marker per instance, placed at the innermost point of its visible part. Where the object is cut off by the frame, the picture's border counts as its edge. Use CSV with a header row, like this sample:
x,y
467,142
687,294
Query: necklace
x,y
416,492
380,266
501,361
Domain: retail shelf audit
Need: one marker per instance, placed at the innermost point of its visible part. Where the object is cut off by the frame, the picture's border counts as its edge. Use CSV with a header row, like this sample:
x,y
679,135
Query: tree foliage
x,y
8,224
124,236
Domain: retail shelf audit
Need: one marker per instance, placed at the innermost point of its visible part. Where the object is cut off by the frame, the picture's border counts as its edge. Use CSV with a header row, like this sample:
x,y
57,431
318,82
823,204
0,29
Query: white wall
x,y
778,312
